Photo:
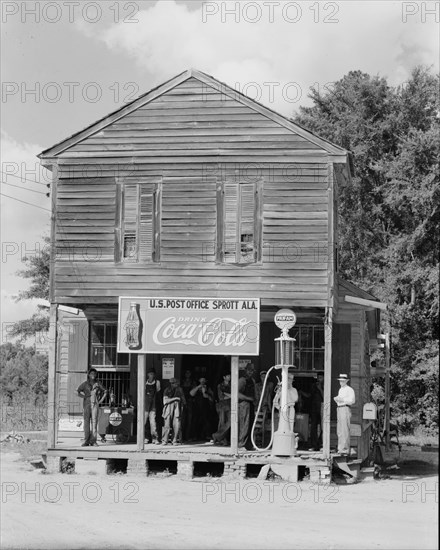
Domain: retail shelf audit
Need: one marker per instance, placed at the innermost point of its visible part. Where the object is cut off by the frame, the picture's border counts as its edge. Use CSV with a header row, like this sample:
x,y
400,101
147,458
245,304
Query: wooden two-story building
x,y
195,190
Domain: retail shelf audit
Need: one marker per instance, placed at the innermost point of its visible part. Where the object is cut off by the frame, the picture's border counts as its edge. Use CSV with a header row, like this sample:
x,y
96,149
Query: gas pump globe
x,y
284,437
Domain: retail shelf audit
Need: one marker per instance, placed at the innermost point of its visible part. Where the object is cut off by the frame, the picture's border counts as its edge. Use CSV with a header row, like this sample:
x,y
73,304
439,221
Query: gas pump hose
x,y
258,412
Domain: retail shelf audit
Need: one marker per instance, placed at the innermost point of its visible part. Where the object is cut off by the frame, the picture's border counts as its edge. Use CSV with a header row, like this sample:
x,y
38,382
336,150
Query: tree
x,y
37,270
23,376
389,214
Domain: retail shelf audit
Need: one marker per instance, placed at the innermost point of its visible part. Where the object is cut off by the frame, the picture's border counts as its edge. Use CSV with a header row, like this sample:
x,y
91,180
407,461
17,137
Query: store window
x,y
309,347
113,367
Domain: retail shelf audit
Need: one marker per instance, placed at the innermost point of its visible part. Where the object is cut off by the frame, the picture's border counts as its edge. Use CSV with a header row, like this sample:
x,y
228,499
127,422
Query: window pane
x,y
110,356
123,359
306,360
318,337
319,360
130,246
110,335
306,337
98,333
97,355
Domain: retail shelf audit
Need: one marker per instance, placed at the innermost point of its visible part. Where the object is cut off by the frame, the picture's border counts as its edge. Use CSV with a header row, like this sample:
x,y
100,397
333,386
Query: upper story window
x,y
138,222
239,224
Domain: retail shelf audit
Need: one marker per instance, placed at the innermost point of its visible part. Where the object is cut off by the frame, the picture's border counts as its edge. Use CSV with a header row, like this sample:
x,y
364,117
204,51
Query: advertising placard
x,y
167,368
203,326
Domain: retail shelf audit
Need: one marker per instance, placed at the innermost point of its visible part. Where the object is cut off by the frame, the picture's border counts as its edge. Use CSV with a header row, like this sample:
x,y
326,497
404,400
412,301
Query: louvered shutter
x,y
146,226
130,219
230,232
247,223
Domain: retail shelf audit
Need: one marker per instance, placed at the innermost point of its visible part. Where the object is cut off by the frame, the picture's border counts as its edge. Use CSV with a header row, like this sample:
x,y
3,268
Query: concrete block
x,y
234,470
185,469
137,466
86,466
53,464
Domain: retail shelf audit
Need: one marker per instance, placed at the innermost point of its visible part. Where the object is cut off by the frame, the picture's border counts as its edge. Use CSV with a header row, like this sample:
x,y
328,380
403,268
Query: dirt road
x,y
120,511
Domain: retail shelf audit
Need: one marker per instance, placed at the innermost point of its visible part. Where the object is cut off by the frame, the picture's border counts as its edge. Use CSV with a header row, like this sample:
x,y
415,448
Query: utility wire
x,y
23,179
24,202
24,188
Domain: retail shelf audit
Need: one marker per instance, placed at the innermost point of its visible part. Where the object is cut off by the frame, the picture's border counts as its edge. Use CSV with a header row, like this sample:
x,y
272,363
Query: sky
x,y
66,64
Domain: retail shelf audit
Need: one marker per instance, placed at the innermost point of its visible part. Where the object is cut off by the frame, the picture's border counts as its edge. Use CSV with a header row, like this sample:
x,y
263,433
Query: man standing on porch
x,y
93,394
344,401
246,400
173,402
152,391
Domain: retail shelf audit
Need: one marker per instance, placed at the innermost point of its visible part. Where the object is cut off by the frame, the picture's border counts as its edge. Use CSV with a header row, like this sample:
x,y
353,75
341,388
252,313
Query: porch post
x,y
234,404
387,391
52,398
141,376
328,326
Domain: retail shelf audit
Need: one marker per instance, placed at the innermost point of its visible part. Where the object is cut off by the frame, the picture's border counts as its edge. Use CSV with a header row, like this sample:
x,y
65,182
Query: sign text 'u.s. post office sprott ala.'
x,y
204,326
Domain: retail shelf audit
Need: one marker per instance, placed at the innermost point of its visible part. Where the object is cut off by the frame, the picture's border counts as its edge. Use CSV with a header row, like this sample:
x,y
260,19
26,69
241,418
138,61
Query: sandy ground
x,y
119,511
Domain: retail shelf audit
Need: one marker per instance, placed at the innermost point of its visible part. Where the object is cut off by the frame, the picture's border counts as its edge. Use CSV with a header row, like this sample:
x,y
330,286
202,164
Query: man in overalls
x,y
93,394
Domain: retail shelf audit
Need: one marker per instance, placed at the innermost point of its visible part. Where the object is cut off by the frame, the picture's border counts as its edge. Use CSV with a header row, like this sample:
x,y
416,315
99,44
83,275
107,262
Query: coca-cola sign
x,y
205,326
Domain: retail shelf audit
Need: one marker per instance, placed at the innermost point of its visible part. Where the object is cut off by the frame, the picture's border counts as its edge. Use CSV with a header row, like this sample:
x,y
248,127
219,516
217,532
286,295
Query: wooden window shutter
x,y
146,225
246,237
230,226
130,215
137,228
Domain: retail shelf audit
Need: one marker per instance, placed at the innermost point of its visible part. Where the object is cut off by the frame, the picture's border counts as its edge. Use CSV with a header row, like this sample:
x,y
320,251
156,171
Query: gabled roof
x,y
153,94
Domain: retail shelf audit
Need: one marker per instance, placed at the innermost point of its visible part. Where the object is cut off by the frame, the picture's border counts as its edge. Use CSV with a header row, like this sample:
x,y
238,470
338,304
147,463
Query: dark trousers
x,y
315,421
91,415
187,421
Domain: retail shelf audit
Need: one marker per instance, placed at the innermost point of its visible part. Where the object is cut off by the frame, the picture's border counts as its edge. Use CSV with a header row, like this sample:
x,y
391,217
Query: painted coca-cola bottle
x,y
132,327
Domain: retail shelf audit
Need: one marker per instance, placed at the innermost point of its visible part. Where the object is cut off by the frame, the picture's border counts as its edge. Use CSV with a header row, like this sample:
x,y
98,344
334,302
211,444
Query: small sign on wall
x,y
167,368
369,411
243,363
71,424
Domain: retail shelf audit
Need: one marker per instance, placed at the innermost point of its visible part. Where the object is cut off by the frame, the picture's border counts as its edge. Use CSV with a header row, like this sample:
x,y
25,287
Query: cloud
x,y
307,44
25,217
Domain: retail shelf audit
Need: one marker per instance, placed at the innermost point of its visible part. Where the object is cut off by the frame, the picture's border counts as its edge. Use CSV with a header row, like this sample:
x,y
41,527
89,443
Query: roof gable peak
x,y
182,77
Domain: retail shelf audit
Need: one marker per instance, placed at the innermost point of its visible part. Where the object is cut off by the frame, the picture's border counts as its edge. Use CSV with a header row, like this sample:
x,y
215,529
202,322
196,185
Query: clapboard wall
x,y
190,139
360,380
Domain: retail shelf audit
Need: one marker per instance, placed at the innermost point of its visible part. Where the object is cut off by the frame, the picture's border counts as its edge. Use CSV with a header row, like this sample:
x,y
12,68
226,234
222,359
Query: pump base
x,y
283,444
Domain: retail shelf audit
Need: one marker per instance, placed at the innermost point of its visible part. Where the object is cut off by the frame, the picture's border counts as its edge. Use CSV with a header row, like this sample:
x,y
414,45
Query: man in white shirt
x,y
344,401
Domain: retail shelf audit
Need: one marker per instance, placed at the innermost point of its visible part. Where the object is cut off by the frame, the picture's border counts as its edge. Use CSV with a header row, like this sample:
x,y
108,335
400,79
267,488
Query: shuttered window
x,y
241,227
138,223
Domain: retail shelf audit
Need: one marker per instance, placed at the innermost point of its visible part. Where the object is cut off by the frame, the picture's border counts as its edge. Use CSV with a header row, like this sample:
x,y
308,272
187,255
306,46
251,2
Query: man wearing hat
x,y
344,401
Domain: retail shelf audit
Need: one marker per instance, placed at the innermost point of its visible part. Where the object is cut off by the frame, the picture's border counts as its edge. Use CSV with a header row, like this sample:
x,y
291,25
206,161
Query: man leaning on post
x,y
93,393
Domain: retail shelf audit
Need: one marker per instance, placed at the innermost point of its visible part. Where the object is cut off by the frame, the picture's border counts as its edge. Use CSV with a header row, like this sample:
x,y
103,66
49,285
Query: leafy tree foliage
x,y
37,270
389,216
23,374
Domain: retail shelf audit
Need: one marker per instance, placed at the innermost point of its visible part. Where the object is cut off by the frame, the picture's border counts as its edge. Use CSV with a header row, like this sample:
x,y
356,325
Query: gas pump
x,y
283,440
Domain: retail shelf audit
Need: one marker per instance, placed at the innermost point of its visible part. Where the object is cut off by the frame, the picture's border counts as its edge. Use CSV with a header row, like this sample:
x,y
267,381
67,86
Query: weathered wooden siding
x,y
360,367
193,137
